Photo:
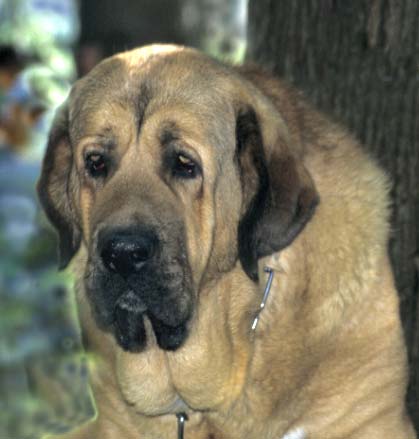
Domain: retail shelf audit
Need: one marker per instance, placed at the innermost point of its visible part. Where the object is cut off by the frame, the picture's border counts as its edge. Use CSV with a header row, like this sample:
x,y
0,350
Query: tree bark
x,y
359,60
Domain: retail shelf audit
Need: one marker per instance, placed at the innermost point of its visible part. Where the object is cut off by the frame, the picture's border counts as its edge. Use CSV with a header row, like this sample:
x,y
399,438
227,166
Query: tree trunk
x,y
359,60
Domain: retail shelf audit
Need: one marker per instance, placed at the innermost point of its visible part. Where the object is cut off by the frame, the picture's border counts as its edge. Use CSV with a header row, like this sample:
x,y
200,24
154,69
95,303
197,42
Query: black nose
x,y
125,251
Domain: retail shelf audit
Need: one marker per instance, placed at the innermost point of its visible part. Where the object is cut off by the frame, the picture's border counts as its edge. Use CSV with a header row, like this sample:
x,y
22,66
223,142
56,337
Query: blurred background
x,y
357,60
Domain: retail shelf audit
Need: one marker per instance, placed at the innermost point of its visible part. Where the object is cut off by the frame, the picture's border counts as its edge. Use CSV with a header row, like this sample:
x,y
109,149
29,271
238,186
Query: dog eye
x,y
96,165
185,167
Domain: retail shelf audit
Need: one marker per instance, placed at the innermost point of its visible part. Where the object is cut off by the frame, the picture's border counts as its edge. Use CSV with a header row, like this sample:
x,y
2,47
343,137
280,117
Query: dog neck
x,y
182,417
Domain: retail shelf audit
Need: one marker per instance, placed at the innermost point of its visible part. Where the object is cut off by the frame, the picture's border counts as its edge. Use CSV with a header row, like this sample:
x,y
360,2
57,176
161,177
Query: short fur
x,y
277,184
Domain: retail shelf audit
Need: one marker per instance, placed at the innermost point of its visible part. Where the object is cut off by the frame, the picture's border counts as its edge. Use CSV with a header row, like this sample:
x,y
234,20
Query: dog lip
x,y
122,305
130,301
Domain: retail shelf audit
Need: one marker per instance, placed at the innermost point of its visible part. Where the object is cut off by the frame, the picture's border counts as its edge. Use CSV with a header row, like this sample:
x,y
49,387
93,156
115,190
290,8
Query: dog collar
x,y
183,417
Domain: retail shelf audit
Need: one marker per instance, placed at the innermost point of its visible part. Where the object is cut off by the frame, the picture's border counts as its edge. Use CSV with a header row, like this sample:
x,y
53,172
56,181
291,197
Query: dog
x,y
177,185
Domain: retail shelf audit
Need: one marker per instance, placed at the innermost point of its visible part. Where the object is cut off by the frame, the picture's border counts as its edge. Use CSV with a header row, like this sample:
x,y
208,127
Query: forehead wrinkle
x,y
103,118
107,138
168,132
141,104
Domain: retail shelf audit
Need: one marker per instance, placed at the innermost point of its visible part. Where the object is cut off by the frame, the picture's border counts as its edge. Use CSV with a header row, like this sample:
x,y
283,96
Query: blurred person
x,y
17,205
24,113
11,65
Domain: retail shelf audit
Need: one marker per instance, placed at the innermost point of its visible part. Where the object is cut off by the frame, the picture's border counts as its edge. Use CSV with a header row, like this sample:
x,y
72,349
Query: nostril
x,y
109,257
141,254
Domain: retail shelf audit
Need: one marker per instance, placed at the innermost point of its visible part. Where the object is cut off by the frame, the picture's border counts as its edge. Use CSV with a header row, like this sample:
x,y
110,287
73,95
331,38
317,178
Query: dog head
x,y
169,168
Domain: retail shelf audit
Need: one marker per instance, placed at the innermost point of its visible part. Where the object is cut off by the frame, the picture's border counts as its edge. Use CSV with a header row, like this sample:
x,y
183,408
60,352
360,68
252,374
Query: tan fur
x,y
328,354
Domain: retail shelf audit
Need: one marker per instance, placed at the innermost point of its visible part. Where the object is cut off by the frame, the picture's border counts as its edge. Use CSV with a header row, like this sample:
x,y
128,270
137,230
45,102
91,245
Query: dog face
x,y
170,169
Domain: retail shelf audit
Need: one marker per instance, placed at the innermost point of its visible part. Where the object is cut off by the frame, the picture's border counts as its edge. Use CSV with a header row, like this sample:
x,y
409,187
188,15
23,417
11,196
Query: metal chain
x,y
265,295
181,419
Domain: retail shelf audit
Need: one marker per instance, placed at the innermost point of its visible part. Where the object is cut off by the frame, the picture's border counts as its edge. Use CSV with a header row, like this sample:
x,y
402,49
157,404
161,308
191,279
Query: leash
x,y
183,417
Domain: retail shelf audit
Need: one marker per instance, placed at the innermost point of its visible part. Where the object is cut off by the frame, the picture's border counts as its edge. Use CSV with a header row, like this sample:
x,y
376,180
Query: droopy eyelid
x,y
181,164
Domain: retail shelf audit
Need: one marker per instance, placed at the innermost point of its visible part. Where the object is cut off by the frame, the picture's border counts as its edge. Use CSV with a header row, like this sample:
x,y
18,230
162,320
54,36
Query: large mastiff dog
x,y
173,180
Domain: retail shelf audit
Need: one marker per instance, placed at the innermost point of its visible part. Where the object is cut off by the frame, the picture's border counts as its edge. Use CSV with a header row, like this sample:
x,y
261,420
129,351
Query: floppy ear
x,y
279,196
55,187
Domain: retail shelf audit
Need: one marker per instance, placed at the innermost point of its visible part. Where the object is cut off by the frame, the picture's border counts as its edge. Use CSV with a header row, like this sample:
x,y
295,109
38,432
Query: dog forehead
x,y
176,72
129,85
180,64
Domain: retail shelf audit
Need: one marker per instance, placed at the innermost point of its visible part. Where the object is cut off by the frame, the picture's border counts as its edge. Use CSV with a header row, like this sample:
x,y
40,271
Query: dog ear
x,y
279,196
55,187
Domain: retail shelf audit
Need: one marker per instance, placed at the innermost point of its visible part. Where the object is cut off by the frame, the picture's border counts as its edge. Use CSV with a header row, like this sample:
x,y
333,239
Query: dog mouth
x,y
129,326
121,306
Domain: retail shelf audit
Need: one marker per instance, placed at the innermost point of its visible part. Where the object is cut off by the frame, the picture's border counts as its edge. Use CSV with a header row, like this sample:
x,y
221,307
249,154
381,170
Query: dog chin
x,y
130,332
121,308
